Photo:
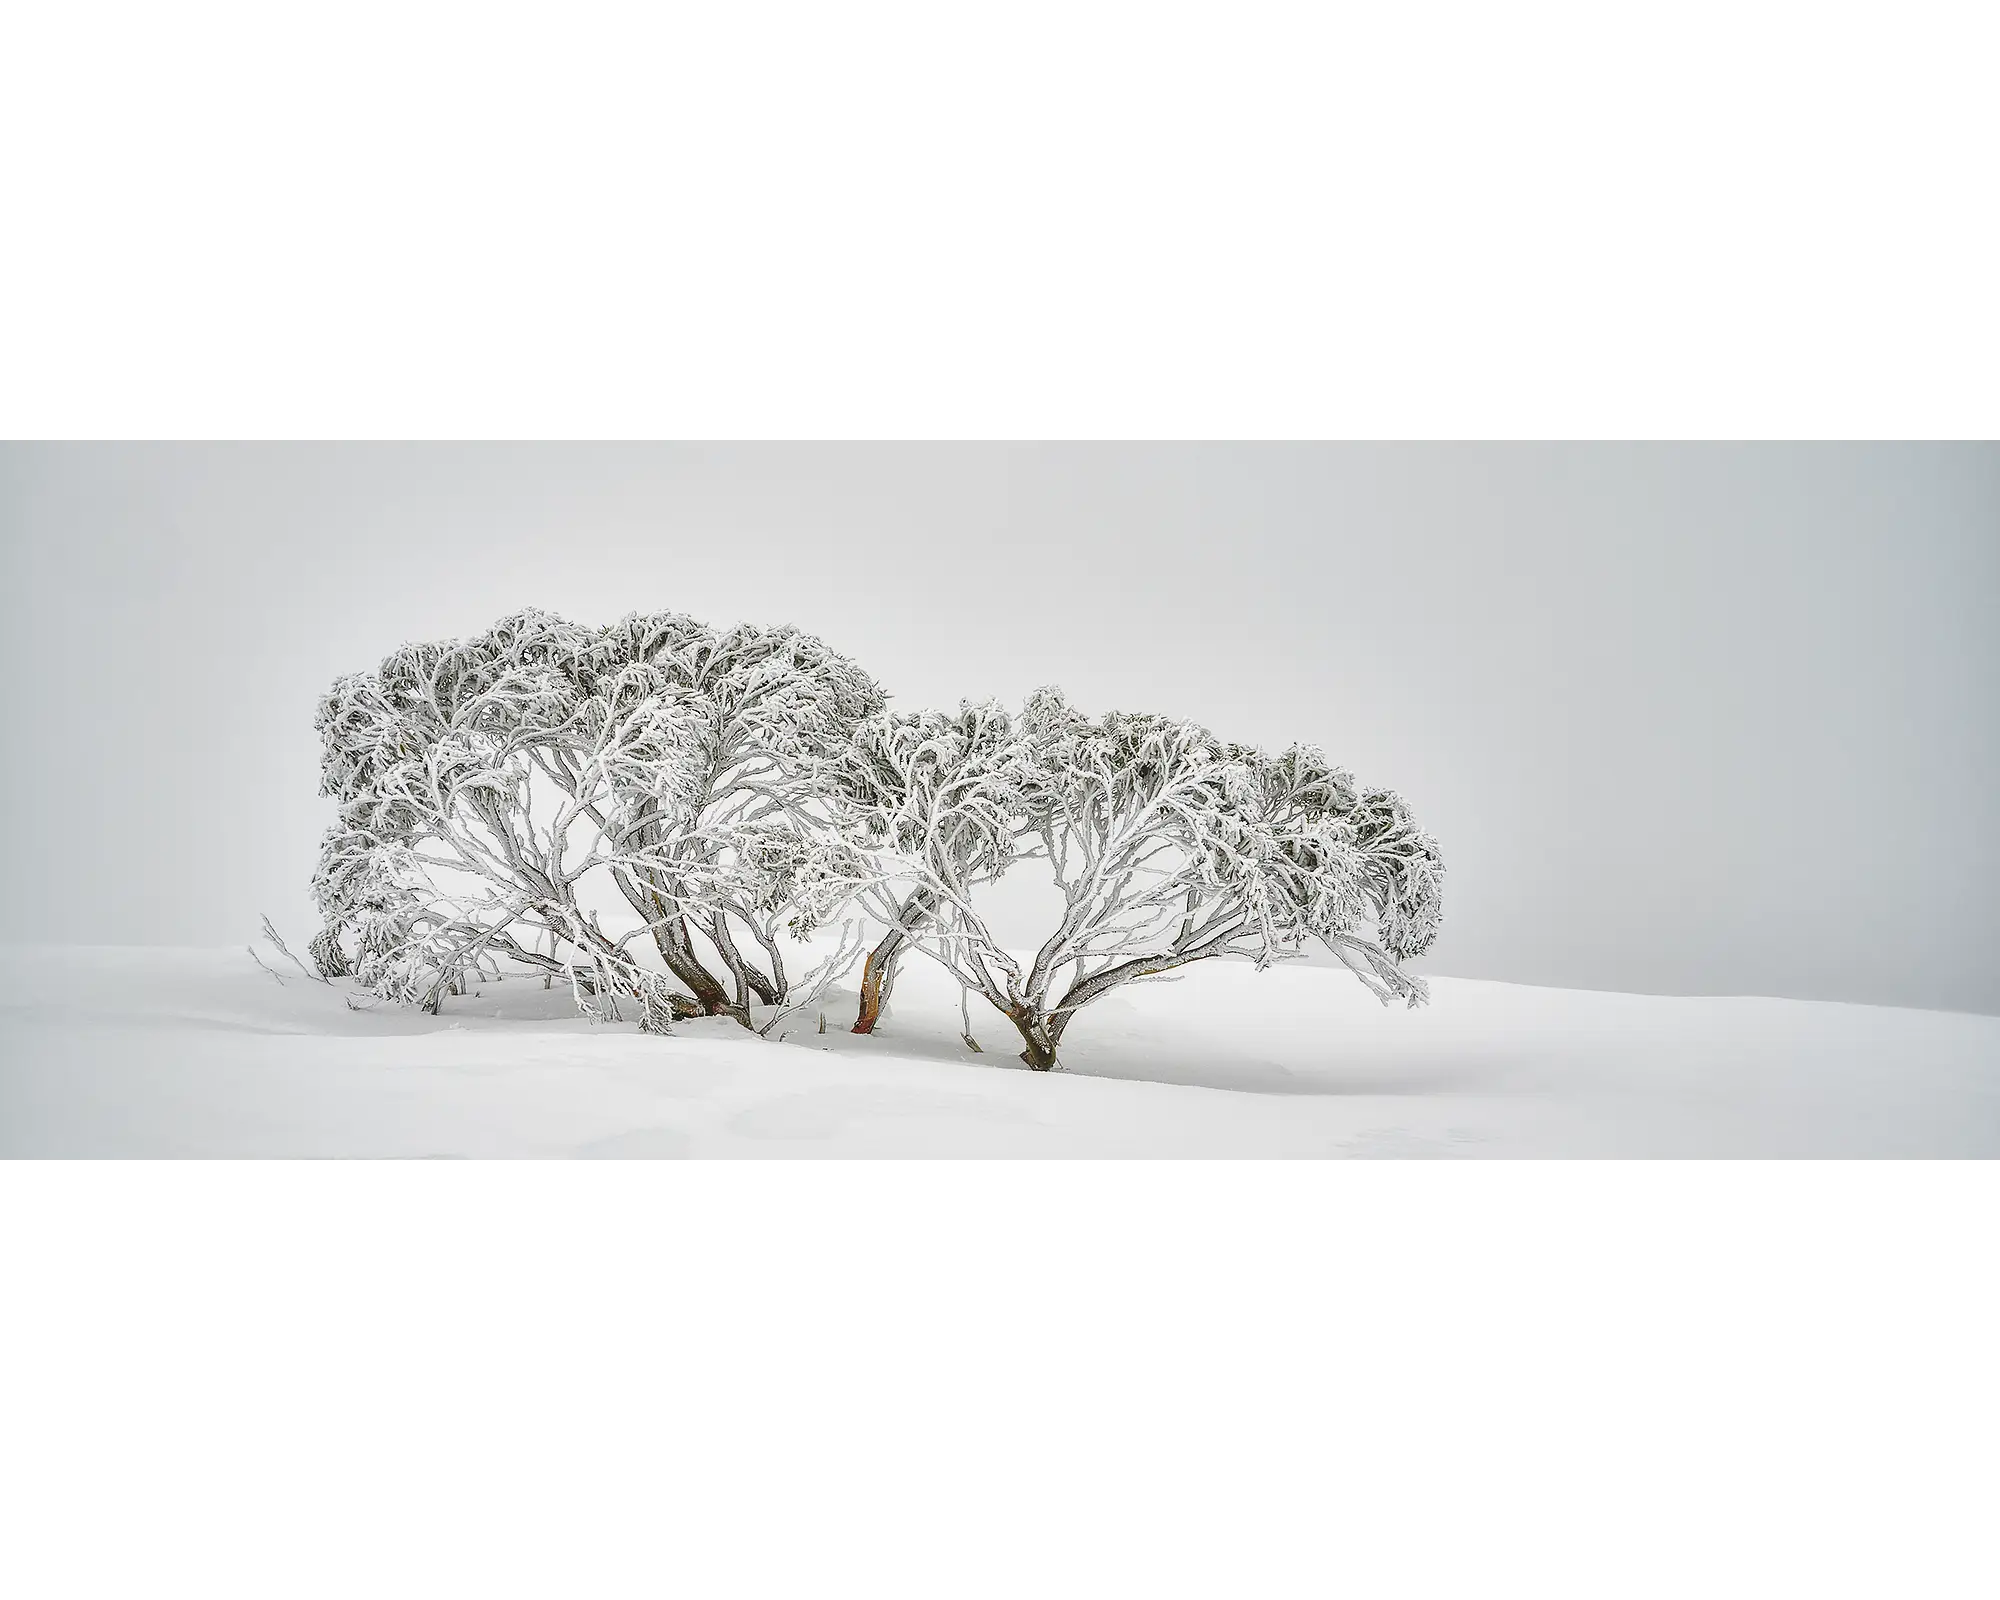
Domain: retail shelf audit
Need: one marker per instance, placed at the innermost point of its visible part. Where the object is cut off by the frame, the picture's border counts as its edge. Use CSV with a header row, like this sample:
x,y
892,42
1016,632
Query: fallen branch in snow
x,y
271,933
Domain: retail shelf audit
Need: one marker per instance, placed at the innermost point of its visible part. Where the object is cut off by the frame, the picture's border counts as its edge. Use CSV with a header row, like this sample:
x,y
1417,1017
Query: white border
x,y
1075,220
989,1379
1055,221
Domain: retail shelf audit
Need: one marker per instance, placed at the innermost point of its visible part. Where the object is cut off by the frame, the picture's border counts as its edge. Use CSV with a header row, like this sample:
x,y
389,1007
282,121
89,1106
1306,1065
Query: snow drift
x,y
131,1052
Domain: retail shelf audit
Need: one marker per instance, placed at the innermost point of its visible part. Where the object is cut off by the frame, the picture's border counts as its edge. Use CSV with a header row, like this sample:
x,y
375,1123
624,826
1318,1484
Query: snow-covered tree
x,y
1169,845
733,786
482,782
942,798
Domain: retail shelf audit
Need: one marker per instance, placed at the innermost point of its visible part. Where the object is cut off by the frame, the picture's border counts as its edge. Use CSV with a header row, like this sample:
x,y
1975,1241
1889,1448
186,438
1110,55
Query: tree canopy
x,y
736,789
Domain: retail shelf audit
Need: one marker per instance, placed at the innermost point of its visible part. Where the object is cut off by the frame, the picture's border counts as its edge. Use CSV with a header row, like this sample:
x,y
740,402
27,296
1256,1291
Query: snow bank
x,y
151,1052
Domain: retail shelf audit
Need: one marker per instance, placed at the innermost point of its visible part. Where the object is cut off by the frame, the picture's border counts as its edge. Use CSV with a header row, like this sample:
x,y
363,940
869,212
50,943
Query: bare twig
x,y
271,933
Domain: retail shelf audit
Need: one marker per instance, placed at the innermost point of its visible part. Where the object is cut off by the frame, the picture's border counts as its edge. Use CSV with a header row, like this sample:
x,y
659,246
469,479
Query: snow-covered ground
x,y
176,1052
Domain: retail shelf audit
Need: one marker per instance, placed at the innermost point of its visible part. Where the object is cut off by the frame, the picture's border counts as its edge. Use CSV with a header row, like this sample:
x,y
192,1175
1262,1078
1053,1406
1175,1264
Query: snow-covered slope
x,y
151,1052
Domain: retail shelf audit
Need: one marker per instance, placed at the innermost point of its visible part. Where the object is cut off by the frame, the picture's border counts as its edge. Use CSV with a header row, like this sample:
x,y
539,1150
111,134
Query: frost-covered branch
x,y
1169,846
485,783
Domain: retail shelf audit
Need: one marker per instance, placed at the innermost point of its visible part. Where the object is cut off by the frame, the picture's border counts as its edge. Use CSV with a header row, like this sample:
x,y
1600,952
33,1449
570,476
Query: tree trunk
x,y
1039,1034
878,973
677,950
779,986
747,977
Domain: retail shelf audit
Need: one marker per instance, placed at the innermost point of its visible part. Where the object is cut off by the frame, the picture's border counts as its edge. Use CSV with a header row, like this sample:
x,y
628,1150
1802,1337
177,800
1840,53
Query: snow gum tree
x,y
727,787
942,798
482,782
1169,846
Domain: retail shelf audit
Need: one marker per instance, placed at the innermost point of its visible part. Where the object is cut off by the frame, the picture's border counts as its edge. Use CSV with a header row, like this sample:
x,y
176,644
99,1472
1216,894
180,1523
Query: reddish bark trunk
x,y
876,972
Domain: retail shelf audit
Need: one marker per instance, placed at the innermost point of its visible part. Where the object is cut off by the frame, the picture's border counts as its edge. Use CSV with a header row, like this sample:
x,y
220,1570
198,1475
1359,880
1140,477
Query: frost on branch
x,y
1169,845
482,782
943,800
732,787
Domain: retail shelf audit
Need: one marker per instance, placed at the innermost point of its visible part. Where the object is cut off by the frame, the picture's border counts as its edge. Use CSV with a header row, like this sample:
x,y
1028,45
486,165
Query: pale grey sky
x,y
1685,718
